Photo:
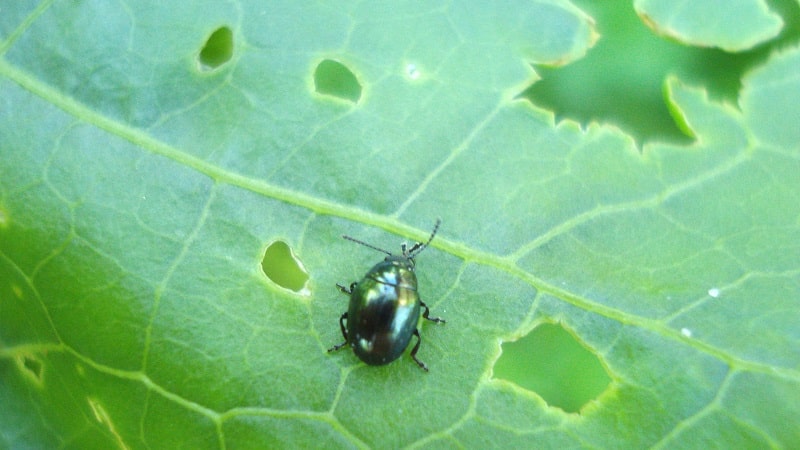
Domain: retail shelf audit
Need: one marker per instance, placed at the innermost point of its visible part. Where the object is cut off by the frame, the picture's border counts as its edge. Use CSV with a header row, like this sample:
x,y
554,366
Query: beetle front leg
x,y
428,311
414,351
344,333
345,290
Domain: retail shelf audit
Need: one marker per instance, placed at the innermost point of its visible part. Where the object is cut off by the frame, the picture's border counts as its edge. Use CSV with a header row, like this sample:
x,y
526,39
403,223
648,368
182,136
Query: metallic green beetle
x,y
384,308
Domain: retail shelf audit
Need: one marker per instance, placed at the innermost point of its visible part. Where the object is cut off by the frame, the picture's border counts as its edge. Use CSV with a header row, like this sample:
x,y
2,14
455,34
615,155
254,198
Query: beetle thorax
x,y
401,261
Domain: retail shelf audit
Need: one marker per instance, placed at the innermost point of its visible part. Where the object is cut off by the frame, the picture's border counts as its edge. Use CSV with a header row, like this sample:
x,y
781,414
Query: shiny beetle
x,y
384,308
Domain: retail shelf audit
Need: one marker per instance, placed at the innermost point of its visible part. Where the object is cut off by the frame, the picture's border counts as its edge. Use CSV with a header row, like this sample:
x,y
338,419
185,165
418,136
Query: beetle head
x,y
408,254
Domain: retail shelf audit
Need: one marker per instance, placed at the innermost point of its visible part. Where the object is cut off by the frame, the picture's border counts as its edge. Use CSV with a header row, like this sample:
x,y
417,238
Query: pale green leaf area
x,y
150,154
732,25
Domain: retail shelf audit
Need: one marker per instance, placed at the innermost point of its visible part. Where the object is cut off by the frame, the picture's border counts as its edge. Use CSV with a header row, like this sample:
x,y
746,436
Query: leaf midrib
x,y
390,223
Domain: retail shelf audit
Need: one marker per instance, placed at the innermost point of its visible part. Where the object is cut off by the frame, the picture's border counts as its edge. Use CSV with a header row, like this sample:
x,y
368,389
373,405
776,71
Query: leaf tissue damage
x,y
335,79
217,50
159,165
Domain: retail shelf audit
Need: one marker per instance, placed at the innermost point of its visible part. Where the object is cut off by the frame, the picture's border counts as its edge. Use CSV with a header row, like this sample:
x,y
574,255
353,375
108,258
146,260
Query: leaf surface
x,y
139,189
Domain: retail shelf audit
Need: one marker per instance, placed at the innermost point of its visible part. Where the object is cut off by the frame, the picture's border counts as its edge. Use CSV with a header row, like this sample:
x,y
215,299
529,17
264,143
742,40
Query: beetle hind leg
x,y
344,333
428,311
415,349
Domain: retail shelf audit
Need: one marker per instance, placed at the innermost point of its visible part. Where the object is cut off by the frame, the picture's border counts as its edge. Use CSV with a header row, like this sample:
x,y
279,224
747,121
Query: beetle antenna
x,y
365,244
418,247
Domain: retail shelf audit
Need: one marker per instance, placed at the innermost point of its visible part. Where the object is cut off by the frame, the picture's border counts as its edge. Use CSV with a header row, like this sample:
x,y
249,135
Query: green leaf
x,y
730,25
151,154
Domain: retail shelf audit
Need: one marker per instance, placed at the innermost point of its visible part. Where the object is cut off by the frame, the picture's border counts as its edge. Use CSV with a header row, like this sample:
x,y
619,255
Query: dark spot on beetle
x,y
282,266
217,50
553,363
335,79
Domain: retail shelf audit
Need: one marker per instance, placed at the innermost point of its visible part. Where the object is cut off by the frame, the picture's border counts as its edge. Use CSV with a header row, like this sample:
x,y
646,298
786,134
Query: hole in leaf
x,y
620,81
217,50
552,363
282,266
335,79
32,366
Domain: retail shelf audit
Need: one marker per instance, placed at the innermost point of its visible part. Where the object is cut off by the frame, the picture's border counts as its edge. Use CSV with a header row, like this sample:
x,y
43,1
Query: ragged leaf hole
x,y
553,363
620,81
337,80
282,266
217,50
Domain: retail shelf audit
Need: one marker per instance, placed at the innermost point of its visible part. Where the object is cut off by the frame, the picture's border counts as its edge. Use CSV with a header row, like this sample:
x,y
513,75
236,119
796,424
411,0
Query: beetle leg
x,y
341,325
428,311
344,333
414,351
345,290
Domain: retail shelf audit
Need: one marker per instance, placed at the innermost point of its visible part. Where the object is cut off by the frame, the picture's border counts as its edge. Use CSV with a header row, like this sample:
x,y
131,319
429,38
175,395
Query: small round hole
x,y
217,50
282,266
335,79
